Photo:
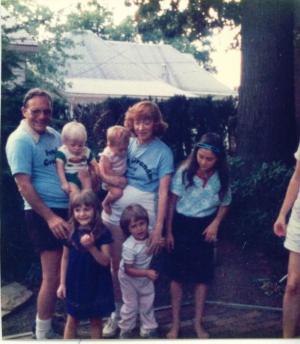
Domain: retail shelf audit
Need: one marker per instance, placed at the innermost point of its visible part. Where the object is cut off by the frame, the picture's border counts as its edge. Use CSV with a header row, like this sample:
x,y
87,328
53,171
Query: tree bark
x,y
266,128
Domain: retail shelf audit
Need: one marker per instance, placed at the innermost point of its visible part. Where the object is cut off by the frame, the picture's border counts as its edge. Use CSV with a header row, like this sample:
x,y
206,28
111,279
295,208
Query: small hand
x,y
66,187
61,291
210,232
152,274
280,226
170,242
87,240
59,227
154,242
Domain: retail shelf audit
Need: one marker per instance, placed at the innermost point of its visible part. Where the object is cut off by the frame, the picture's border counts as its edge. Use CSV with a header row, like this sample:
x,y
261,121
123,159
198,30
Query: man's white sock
x,y
42,327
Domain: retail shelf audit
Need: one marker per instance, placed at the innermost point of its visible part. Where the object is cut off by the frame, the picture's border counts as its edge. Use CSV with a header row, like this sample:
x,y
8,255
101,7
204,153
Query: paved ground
x,y
236,284
221,320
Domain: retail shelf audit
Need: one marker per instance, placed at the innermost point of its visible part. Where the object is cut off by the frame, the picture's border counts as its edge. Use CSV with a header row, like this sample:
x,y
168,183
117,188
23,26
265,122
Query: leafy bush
x,y
258,191
188,119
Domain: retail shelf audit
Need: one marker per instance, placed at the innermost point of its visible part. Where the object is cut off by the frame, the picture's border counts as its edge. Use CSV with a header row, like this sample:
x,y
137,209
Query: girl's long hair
x,y
87,198
191,166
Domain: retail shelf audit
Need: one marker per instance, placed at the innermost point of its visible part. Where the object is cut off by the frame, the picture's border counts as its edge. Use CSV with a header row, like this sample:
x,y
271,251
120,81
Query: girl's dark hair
x,y
132,212
213,142
87,198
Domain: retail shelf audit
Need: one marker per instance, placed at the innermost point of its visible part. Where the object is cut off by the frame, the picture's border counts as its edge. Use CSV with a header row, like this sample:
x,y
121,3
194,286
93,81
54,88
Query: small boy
x,y
113,162
135,275
73,159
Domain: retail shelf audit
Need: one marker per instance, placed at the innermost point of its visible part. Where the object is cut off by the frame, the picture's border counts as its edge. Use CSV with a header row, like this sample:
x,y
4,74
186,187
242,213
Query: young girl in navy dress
x,y
85,279
200,196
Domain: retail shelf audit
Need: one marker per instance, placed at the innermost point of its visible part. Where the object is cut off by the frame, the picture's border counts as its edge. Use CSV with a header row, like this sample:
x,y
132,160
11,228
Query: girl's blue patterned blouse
x,y
196,200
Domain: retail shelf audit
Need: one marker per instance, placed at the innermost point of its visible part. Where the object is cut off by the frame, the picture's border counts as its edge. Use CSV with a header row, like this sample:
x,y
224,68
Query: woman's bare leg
x,y
176,297
291,300
200,297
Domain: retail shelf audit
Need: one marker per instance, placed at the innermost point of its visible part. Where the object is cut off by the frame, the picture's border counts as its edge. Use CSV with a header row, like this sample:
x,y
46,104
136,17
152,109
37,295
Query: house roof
x,y
19,40
170,71
96,89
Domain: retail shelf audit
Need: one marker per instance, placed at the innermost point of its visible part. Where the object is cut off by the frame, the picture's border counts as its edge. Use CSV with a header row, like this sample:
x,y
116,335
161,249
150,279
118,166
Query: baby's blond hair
x,y
74,131
117,135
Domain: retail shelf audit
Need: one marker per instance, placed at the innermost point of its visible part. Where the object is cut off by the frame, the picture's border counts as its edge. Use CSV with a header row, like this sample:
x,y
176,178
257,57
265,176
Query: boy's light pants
x,y
138,297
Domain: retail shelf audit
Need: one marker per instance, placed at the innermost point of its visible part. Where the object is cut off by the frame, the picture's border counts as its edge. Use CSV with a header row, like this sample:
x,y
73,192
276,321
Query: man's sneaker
x,y
126,334
148,333
111,327
49,335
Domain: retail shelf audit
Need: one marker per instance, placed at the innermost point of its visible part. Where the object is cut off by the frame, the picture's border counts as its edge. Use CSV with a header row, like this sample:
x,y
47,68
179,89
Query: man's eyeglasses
x,y
36,112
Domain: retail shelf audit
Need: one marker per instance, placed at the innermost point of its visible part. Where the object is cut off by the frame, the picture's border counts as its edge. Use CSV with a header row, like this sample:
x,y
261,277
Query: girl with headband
x,y
200,197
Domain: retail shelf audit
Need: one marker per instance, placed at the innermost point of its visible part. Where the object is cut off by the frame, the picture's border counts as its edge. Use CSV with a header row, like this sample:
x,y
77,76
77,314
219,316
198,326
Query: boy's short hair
x,y
132,212
117,134
74,131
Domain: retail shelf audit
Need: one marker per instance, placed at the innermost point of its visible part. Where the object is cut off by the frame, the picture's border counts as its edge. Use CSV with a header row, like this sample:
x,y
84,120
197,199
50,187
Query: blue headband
x,y
210,147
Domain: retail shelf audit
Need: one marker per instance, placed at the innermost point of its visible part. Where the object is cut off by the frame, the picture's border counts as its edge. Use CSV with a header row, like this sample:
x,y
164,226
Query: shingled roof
x,y
150,69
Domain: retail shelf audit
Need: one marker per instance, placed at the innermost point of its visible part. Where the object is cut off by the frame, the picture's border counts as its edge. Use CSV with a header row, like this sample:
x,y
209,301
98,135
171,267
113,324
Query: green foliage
x,y
188,119
43,68
98,19
258,191
93,17
186,27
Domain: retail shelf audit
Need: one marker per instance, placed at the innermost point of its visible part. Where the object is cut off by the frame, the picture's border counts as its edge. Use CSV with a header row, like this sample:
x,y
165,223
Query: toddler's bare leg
x,y
176,297
96,328
73,188
113,195
200,296
70,327
85,179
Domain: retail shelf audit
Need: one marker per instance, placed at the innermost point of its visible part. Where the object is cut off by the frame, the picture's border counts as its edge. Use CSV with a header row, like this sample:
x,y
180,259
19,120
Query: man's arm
x,y
57,225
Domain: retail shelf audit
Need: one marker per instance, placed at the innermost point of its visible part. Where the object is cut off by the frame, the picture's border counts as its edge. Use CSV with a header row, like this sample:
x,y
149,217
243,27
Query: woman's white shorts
x,y
132,195
292,240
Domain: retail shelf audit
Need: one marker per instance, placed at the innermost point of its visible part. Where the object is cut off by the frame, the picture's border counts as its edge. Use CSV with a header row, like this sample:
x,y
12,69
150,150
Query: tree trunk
x,y
266,128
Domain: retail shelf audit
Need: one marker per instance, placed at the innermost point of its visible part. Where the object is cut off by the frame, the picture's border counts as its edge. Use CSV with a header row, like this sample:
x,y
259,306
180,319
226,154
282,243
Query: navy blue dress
x,y
89,284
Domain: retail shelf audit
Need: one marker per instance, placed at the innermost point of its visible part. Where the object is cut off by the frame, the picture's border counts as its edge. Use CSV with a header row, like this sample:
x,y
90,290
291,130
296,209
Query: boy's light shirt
x,y
135,252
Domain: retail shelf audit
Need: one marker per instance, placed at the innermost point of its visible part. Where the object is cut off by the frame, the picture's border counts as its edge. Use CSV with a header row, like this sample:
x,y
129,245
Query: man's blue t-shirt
x,y
148,163
34,155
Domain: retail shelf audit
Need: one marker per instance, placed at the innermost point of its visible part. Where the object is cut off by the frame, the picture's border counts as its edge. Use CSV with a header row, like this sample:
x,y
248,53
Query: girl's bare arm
x,y
212,229
102,257
134,272
61,292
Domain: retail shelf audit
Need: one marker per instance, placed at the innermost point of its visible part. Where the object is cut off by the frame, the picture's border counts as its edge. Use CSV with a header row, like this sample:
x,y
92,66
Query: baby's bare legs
x,y
70,327
200,296
96,328
73,188
85,179
176,297
114,194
